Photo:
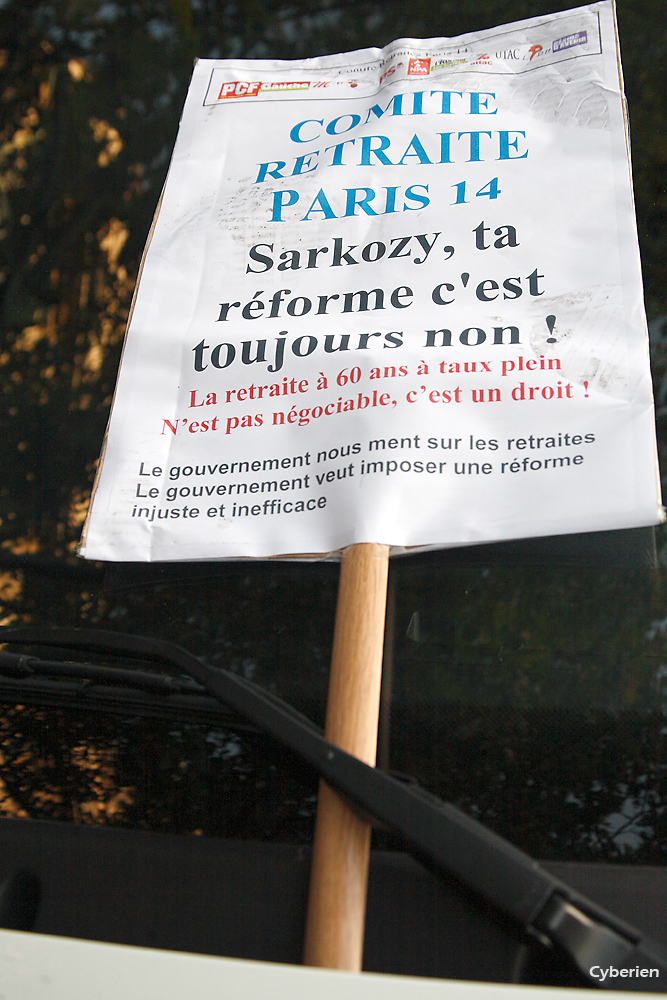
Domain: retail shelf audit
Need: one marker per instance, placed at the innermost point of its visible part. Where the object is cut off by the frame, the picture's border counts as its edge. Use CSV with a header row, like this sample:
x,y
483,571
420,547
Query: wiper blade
x,y
119,690
482,861
18,665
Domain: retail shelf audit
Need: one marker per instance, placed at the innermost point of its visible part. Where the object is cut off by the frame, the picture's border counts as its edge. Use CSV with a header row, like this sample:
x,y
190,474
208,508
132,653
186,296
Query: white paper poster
x,y
392,295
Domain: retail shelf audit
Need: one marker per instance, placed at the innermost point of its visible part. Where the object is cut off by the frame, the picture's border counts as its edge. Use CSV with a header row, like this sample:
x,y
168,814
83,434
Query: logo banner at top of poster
x,y
392,295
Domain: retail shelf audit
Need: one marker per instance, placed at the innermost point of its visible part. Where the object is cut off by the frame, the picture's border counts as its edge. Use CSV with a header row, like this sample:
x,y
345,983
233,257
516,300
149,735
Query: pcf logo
x,y
239,88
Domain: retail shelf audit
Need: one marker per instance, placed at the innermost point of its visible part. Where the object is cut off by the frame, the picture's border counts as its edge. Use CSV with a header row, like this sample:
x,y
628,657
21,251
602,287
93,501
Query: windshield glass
x,y
525,682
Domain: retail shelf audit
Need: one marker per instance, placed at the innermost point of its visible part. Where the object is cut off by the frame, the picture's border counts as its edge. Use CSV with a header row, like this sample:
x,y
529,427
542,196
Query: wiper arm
x,y
482,861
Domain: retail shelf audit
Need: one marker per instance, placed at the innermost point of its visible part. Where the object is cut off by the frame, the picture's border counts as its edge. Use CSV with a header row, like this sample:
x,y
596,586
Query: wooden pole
x,y
336,914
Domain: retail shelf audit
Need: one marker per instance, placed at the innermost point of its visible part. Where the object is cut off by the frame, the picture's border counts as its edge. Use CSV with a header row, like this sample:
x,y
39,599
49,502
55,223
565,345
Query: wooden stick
x,y
337,898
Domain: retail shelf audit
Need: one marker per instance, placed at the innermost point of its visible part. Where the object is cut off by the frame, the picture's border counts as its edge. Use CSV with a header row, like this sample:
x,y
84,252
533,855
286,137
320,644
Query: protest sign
x,y
390,296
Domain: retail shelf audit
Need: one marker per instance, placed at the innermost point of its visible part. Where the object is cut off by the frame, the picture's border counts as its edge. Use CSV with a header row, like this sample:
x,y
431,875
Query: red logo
x,y
419,67
239,88
534,50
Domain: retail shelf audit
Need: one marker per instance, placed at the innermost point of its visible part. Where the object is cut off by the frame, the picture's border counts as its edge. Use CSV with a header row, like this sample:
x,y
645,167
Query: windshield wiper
x,y
545,908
